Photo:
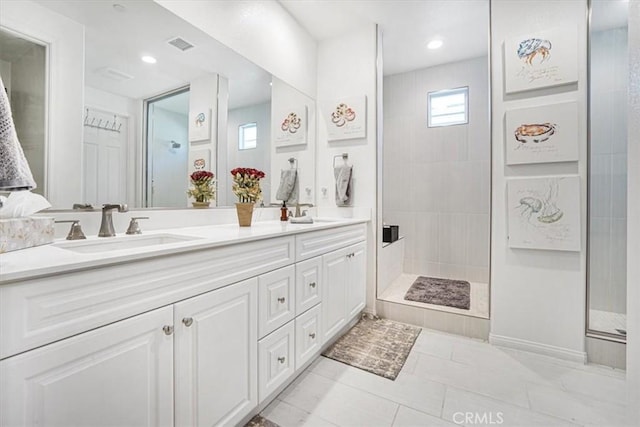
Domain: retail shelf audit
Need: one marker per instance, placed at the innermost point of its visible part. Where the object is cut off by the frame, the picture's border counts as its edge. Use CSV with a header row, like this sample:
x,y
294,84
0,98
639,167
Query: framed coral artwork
x,y
290,126
541,59
346,118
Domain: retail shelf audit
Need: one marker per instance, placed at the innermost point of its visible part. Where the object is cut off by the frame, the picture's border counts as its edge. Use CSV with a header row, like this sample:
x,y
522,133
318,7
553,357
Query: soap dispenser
x,y
283,212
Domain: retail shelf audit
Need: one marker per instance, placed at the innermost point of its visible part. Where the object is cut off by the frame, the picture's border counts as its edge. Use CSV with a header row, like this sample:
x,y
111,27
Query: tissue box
x,y
22,233
390,233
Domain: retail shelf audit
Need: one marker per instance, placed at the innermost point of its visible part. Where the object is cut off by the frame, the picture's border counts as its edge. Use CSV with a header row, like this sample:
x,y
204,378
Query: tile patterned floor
x,y
479,297
450,380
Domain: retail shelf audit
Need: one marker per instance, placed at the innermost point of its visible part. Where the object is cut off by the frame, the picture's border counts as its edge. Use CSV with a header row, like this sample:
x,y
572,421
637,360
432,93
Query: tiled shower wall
x,y
608,201
436,181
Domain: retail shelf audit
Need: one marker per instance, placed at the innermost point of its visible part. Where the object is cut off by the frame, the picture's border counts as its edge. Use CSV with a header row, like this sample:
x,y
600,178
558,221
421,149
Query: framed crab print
x,y
346,118
541,59
544,213
543,134
290,126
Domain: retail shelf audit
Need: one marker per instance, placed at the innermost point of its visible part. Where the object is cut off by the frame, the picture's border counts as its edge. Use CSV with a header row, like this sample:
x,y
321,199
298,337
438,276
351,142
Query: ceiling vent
x,y
180,43
113,74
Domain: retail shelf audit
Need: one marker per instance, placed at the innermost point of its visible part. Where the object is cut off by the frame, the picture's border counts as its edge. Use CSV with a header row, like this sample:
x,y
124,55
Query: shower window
x,y
247,136
448,107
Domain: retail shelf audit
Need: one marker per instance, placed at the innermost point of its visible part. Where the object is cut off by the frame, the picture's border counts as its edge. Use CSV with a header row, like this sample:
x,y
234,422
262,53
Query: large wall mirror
x,y
436,162
608,89
145,125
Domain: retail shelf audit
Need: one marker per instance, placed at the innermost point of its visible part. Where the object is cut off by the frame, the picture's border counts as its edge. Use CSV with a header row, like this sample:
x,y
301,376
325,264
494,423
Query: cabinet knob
x,y
281,300
312,335
188,321
168,330
281,359
312,284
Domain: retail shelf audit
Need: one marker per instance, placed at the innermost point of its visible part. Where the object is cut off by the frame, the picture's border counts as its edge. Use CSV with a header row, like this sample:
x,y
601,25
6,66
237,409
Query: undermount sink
x,y
107,244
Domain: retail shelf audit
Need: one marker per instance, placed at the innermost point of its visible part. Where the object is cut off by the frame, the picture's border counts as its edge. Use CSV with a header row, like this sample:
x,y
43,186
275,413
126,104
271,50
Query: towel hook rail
x,y
345,157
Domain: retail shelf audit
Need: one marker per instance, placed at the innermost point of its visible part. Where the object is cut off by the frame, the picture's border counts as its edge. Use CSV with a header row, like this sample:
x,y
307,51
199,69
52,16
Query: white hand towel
x,y
289,187
15,174
343,185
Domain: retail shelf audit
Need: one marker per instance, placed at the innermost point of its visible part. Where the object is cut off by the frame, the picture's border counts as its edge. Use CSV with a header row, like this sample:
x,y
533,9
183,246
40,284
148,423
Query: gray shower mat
x,y
433,290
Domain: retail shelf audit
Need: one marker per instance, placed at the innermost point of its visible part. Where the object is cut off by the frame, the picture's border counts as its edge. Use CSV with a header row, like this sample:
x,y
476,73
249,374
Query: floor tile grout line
x,y
302,410
393,421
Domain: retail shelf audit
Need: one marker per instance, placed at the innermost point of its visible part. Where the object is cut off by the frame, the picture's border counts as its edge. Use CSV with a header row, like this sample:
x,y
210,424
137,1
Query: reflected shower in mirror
x,y
436,165
608,81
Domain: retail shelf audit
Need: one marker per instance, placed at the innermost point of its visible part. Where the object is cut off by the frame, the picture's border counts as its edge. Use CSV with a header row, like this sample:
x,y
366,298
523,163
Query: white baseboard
x,y
534,347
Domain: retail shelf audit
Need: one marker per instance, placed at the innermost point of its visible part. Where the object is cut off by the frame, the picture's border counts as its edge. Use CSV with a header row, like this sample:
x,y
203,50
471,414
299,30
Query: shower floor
x,y
479,297
607,321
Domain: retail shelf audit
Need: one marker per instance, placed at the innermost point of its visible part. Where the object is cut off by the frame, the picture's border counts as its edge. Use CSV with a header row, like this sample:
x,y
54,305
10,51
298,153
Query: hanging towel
x,y
289,187
15,174
343,185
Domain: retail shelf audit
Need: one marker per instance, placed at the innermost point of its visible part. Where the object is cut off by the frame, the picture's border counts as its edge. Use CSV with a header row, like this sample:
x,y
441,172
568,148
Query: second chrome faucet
x,y
106,226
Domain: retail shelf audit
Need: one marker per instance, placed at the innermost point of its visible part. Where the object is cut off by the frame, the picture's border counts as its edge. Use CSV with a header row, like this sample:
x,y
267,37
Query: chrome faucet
x,y
298,205
106,226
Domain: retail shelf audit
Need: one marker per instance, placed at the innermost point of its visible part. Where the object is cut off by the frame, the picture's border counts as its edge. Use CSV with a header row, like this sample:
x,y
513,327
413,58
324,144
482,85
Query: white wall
x,y
260,30
633,213
283,97
437,180
347,68
259,157
66,87
538,298
608,192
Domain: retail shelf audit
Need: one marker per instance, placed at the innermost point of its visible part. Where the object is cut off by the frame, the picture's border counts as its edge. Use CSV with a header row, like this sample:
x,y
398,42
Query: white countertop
x,y
54,259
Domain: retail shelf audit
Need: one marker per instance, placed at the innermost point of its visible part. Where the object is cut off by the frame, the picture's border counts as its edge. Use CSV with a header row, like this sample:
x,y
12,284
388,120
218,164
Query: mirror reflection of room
x,y
135,142
436,168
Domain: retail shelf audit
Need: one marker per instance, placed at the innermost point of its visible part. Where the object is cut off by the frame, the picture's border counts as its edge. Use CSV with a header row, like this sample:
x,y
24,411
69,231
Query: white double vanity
x,y
187,327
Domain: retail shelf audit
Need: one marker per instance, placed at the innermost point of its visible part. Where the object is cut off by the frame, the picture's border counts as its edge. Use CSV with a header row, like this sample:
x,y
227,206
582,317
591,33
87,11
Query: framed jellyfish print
x,y
346,118
544,213
290,126
541,59
543,134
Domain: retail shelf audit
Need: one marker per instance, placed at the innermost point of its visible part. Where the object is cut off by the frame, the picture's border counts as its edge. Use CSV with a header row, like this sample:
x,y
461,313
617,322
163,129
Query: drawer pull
x,y
312,284
188,321
281,359
281,300
168,330
312,335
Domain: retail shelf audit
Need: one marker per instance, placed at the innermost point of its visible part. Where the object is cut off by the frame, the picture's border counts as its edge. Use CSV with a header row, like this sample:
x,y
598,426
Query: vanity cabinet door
x,y
216,356
334,274
308,335
357,280
117,375
276,361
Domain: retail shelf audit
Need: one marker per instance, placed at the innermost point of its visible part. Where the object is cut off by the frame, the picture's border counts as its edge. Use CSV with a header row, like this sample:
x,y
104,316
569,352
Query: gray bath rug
x,y
375,345
432,290
260,421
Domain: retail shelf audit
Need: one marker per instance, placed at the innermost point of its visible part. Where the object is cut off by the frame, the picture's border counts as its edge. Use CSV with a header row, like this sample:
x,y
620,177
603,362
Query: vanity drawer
x,y
308,284
308,335
276,299
312,244
40,311
276,363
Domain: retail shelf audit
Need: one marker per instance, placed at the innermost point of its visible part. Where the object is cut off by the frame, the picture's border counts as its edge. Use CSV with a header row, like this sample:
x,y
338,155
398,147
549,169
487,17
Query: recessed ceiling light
x,y
149,59
434,44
